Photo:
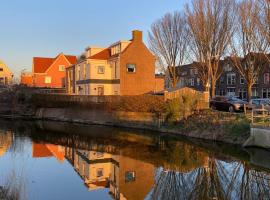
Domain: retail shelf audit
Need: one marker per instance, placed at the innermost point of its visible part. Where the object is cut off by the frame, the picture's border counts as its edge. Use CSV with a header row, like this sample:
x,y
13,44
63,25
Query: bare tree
x,y
249,46
168,41
210,25
264,18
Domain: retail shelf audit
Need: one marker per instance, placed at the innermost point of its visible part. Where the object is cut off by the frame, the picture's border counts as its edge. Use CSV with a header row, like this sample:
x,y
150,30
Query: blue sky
x,y
47,27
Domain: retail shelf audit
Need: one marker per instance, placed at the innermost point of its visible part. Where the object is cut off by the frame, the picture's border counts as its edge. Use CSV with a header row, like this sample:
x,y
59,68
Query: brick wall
x,y
143,79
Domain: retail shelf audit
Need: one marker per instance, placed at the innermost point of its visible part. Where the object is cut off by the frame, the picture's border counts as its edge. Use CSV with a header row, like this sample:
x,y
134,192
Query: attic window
x,y
131,68
61,68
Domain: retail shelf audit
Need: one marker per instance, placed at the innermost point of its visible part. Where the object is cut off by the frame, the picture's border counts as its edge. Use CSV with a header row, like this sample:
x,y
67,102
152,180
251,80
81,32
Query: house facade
x,y
51,72
230,83
187,76
27,79
6,75
126,67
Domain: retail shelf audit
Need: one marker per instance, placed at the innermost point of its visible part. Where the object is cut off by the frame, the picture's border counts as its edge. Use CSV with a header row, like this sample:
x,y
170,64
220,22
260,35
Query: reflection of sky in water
x,y
177,169
46,178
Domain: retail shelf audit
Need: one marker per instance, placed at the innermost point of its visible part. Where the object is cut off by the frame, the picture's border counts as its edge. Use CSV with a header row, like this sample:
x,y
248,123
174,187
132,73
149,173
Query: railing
x,y
260,116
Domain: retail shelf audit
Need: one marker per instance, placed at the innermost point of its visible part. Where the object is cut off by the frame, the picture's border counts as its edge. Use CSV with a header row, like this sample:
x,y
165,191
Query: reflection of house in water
x,y
6,139
125,177
48,150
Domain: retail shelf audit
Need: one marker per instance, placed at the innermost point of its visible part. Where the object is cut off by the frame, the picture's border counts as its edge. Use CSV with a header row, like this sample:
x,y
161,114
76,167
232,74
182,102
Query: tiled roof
x,y
42,64
103,55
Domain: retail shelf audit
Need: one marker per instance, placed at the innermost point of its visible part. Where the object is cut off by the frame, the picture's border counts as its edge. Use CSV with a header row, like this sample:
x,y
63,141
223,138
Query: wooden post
x,y
252,116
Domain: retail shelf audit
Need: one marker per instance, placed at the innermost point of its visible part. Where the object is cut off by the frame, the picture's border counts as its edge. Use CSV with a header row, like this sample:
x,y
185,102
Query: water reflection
x,y
6,139
133,165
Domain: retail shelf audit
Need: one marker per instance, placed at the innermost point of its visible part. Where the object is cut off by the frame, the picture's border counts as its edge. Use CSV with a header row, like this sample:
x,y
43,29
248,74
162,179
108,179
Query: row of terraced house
x,y
230,83
126,67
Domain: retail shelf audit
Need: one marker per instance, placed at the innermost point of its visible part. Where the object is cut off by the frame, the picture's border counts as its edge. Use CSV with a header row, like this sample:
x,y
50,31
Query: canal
x,y
49,160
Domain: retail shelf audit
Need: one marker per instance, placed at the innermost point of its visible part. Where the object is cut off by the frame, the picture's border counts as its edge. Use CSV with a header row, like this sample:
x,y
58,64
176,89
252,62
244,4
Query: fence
x,y
260,116
203,97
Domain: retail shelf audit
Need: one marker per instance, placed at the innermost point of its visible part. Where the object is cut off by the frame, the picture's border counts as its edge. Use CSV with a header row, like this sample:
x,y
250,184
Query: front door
x,y
100,90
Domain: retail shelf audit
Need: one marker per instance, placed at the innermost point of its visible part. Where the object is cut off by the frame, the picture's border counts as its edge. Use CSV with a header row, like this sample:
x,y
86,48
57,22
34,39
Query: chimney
x,y
137,36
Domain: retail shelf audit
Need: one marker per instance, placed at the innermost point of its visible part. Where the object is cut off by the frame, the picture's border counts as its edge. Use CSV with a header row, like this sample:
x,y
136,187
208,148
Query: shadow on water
x,y
136,164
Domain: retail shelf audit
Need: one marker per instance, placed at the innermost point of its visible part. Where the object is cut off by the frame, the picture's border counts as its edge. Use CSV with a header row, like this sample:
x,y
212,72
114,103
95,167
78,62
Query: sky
x,y
45,28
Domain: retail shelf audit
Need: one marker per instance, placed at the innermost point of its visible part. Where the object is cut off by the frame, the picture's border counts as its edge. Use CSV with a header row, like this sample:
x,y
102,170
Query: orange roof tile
x,y
103,55
40,64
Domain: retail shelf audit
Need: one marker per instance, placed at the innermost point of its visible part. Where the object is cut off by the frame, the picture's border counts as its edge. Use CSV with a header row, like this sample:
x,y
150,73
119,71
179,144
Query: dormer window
x,y
131,68
116,49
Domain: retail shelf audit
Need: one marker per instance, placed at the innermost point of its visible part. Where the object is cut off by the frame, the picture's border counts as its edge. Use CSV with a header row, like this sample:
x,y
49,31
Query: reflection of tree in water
x,y
216,180
13,188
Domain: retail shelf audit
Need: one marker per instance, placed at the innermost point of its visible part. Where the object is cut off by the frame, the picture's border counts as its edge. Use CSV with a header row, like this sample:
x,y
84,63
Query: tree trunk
x,y
174,77
213,88
249,91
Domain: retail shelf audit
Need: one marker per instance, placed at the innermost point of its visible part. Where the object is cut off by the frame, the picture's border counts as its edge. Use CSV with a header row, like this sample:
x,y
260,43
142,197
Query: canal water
x,y
49,160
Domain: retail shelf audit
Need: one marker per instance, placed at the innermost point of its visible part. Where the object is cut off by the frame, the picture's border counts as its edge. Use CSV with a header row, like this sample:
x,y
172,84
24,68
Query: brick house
x,y
187,77
230,83
126,67
51,72
27,79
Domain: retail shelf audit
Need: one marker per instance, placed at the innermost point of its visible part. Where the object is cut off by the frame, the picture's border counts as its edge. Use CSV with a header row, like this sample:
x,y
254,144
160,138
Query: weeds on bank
x,y
213,121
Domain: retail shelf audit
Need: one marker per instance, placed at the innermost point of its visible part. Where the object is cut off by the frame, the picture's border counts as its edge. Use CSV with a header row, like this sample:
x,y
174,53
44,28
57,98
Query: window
x,y
222,92
99,172
242,80
184,73
221,80
1,80
131,68
191,81
230,91
231,79
61,68
242,93
48,79
129,177
266,78
101,70
254,92
266,93
1,69
228,68
198,81
192,72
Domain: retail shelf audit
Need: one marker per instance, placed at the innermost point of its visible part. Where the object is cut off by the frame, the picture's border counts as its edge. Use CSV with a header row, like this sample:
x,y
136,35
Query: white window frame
x,y
131,64
229,77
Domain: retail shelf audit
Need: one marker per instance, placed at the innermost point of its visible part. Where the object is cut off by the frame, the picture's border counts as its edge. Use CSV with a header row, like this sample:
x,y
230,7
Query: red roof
x,y
103,55
40,65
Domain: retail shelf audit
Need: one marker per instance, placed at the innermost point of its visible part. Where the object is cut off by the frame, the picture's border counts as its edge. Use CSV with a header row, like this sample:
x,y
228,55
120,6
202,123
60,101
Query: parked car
x,y
231,104
255,103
